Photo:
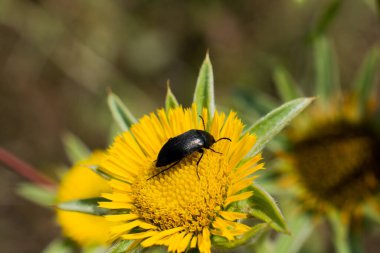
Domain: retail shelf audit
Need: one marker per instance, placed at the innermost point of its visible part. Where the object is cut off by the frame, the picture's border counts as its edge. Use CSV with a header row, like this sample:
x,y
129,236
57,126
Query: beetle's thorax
x,y
207,137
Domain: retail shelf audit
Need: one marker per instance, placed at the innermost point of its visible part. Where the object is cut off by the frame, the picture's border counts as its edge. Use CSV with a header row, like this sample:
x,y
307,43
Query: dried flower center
x,y
178,198
339,164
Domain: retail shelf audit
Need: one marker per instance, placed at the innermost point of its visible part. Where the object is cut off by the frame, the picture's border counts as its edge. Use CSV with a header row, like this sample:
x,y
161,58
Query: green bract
x,y
75,149
121,114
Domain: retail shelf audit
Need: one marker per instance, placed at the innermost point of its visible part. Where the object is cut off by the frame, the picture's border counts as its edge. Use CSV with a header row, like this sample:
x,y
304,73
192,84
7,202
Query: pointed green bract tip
x,y
88,206
326,70
271,124
75,149
170,100
365,79
204,90
121,114
207,57
285,84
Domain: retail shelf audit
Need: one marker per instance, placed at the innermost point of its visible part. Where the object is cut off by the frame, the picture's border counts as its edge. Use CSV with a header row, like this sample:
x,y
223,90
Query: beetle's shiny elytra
x,y
177,148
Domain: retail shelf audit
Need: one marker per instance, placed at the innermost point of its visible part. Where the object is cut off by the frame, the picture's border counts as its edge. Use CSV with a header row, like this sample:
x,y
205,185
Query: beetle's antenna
x,y
203,122
223,138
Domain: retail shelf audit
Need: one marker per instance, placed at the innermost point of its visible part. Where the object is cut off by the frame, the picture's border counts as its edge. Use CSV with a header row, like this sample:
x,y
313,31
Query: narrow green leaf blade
x,y
254,233
365,79
262,206
75,149
36,194
156,249
256,100
340,233
326,70
94,249
170,100
100,172
88,206
301,227
285,84
325,20
121,114
125,246
204,90
59,246
272,123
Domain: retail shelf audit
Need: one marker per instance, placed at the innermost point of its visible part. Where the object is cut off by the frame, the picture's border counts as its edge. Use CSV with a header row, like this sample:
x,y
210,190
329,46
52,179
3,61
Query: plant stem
x,y
25,170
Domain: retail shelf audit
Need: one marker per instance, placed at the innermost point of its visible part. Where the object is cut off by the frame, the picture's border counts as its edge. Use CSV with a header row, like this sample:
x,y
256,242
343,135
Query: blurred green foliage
x,y
59,57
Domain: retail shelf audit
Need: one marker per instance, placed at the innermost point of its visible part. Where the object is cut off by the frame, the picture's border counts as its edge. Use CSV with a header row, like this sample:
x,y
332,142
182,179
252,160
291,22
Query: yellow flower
x,y
176,208
334,158
80,183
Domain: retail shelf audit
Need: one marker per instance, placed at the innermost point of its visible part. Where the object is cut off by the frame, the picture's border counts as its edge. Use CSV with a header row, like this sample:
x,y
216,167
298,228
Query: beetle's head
x,y
208,139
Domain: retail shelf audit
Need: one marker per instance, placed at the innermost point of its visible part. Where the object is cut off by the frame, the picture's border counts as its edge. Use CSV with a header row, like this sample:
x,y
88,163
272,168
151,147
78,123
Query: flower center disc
x,y
339,164
178,198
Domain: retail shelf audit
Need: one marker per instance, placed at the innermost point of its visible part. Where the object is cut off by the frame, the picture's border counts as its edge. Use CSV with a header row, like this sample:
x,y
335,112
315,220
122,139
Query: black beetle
x,y
177,148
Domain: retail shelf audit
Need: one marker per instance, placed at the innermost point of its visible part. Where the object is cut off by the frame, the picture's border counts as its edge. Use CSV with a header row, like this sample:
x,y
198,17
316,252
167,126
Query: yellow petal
x,y
206,240
238,197
118,197
175,241
238,186
185,242
152,240
119,185
141,235
121,217
232,216
193,243
124,228
115,205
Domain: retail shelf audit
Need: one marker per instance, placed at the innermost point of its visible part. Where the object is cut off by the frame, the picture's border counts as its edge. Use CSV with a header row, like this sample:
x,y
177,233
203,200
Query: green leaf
x,y
365,79
36,194
340,233
112,133
170,100
204,90
371,215
88,206
264,244
75,149
254,233
262,206
325,20
100,172
59,246
124,246
356,242
254,101
301,227
272,123
374,5
156,249
285,84
94,249
326,70
122,116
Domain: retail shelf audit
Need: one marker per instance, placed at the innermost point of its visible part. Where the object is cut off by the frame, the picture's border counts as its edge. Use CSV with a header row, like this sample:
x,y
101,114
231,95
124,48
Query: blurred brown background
x,y
59,57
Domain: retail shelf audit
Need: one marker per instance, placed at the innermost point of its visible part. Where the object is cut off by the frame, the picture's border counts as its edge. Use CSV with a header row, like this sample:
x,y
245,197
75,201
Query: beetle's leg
x,y
174,164
199,160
